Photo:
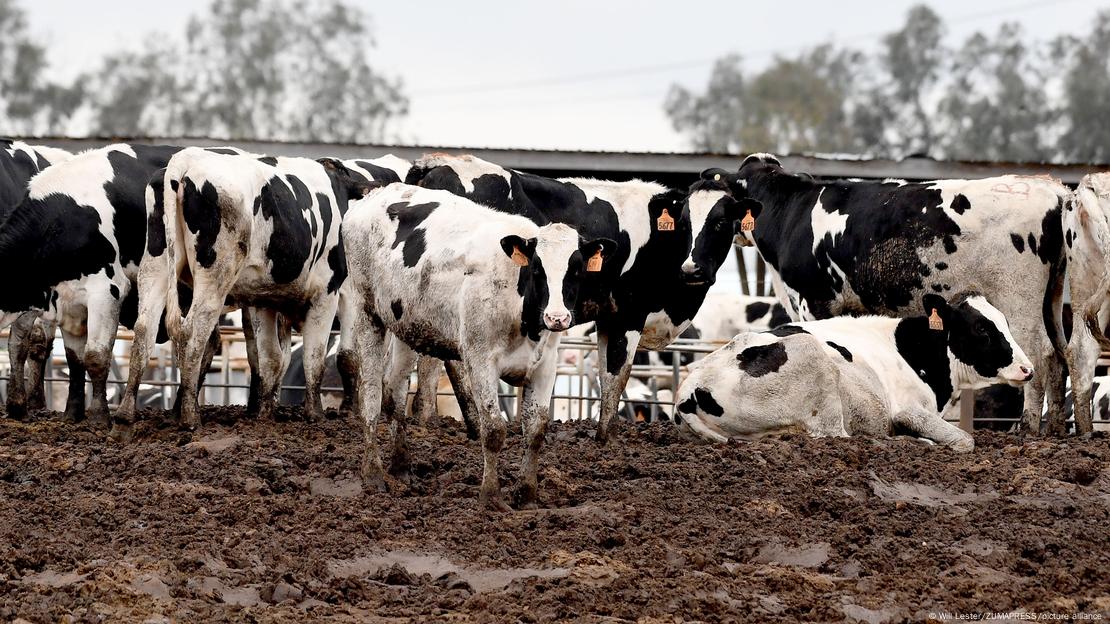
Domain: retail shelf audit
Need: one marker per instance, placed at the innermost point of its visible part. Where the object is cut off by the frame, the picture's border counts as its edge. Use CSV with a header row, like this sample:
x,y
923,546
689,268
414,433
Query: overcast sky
x,y
583,74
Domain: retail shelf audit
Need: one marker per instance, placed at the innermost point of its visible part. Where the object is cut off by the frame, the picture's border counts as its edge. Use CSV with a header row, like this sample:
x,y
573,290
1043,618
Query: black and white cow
x,y
156,272
262,233
29,337
871,375
1087,239
723,315
79,234
859,247
461,282
670,244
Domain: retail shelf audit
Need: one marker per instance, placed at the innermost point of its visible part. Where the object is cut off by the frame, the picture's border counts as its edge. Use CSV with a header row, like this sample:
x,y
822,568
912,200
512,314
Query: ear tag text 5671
x,y
665,222
518,257
935,322
747,224
594,264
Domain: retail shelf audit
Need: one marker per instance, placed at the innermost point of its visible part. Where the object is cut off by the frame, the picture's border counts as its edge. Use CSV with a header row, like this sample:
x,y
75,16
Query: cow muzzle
x,y
557,321
694,275
1018,374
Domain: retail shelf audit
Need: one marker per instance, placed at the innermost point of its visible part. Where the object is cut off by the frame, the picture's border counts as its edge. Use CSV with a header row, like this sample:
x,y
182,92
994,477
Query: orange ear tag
x,y
518,257
665,222
747,224
935,322
594,265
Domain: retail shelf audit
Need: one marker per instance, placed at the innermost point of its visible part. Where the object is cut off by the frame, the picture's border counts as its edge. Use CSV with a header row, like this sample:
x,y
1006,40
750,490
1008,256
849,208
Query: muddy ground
x,y
265,522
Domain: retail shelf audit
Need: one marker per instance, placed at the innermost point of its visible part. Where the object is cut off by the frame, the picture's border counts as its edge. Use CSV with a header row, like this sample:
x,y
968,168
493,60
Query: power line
x,y
688,64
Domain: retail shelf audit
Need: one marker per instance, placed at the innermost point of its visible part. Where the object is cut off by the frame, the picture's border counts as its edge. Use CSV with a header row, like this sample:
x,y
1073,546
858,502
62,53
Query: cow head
x,y
347,184
552,266
979,340
715,214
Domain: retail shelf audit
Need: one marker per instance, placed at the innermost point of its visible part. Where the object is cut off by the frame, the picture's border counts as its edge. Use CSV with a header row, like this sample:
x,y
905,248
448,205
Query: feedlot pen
x,y
648,397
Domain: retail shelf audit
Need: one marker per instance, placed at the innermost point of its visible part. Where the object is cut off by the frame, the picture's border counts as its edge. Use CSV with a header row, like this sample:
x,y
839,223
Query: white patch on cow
x,y
701,204
723,315
825,223
660,331
629,200
554,246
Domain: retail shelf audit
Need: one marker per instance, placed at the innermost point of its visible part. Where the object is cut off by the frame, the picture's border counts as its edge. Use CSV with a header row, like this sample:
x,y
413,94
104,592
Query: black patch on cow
x,y
949,245
1104,406
1052,253
284,203
384,175
783,331
762,360
976,341
155,224
926,352
937,288
843,351
1068,237
408,217
114,290
1018,241
225,151
689,406
109,271
201,211
779,315
326,218
707,403
1032,244
337,260
398,309
756,310
127,193
941,266
268,160
960,204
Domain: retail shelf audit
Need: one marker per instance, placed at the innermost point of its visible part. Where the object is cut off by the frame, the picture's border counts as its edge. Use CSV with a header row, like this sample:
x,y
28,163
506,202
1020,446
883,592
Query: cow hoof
x,y
72,416
98,419
493,502
122,433
374,482
17,411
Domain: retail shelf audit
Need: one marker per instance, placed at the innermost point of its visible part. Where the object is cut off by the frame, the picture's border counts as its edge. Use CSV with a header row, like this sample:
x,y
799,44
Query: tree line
x,y
258,69
998,96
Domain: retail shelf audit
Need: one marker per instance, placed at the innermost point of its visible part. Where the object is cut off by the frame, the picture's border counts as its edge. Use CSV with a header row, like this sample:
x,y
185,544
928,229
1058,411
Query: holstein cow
x,y
156,272
859,247
871,375
261,232
1087,239
457,281
29,338
723,315
79,235
670,244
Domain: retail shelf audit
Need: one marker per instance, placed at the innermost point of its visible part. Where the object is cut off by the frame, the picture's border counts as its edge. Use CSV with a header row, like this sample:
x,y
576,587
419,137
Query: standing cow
x,y
264,233
29,337
457,281
870,375
860,247
669,246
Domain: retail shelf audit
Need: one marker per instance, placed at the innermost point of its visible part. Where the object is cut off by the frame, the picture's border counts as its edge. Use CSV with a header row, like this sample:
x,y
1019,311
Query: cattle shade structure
x,y
674,169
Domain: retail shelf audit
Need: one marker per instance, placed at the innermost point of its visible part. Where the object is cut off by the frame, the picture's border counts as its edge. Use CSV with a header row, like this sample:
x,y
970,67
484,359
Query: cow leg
x,y
424,408
1028,331
103,322
394,394
154,275
369,351
316,330
461,387
346,359
252,360
536,414
75,359
18,345
196,330
932,427
482,388
1082,353
615,353
38,353
271,339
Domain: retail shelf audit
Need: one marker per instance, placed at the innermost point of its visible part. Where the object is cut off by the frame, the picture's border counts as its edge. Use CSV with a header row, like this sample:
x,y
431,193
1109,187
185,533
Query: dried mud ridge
x,y
266,522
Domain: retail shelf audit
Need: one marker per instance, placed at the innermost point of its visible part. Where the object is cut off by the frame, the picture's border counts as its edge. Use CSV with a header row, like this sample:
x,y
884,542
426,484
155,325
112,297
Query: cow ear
x,y
936,308
715,174
588,248
330,164
362,189
519,248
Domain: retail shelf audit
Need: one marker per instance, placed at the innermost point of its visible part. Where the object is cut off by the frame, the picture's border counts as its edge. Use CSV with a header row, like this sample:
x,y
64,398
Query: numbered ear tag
x,y
747,224
935,322
665,222
717,177
594,264
518,257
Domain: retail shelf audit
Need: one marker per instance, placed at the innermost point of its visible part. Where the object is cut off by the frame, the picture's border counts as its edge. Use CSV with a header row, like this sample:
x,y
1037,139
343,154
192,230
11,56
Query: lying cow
x,y
460,282
669,246
29,337
861,247
261,232
855,376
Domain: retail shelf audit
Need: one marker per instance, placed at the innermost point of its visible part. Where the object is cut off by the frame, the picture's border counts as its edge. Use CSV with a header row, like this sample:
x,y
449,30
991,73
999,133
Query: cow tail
x,y
1052,308
173,194
1101,235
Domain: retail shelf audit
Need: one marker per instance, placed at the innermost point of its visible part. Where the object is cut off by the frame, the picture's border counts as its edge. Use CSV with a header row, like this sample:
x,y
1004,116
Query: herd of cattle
x,y
899,295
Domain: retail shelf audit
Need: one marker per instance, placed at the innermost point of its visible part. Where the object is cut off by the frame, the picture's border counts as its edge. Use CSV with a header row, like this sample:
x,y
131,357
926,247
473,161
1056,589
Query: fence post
x,y
967,410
